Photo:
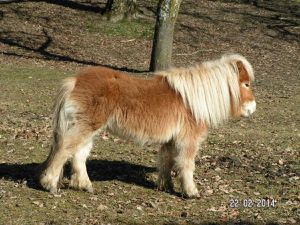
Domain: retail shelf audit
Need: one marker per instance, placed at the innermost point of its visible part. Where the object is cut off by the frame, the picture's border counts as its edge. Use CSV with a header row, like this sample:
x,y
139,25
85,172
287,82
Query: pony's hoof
x,y
191,193
81,184
191,196
48,184
90,190
49,187
53,190
165,186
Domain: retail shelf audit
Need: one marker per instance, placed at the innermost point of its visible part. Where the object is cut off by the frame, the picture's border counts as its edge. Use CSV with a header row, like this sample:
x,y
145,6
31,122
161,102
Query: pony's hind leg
x,y
53,168
80,178
165,165
63,148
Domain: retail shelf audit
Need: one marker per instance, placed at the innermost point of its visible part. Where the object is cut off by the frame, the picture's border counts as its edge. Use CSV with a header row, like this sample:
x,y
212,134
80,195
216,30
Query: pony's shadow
x,y
99,170
104,170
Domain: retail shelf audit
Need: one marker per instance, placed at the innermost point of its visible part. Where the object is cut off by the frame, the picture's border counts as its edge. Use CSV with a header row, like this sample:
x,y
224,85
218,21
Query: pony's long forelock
x,y
234,58
210,89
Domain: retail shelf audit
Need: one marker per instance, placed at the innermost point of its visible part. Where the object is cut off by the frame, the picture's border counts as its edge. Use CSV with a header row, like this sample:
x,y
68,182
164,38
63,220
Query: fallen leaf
x,y
282,220
39,204
102,207
209,192
292,220
280,161
212,209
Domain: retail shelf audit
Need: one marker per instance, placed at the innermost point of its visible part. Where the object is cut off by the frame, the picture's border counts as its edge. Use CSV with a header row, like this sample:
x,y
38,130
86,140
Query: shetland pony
x,y
175,108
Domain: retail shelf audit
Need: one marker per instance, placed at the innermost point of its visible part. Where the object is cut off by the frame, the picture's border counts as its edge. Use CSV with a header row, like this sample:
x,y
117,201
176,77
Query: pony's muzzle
x,y
248,108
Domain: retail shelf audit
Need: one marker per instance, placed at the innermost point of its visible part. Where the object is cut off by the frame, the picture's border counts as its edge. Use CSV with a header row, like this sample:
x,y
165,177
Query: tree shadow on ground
x,y
282,27
99,170
283,6
282,21
89,7
31,45
14,39
285,18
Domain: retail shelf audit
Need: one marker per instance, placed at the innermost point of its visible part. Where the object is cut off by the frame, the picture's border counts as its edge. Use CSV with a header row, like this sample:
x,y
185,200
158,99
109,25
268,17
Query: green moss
x,y
129,29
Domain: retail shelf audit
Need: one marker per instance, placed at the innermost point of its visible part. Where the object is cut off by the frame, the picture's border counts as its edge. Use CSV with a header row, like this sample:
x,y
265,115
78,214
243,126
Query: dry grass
x,y
257,158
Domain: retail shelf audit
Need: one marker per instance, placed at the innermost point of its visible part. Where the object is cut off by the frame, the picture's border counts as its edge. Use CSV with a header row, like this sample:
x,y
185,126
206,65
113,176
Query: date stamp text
x,y
252,203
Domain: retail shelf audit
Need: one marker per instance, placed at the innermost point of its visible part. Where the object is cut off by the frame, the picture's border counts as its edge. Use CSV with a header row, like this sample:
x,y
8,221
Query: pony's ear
x,y
243,74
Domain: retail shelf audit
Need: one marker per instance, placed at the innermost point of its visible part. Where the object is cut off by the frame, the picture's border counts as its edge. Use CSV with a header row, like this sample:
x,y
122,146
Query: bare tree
x,y
167,12
117,10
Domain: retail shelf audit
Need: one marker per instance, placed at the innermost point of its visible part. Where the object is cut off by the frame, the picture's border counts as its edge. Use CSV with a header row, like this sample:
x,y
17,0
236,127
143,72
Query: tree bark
x,y
117,10
161,56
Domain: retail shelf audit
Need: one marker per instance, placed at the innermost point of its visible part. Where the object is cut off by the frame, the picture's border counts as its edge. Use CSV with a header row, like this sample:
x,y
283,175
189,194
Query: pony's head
x,y
215,90
246,104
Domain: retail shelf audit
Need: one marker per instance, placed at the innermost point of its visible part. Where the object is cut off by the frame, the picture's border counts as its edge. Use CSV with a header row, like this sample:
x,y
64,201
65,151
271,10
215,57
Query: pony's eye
x,y
247,85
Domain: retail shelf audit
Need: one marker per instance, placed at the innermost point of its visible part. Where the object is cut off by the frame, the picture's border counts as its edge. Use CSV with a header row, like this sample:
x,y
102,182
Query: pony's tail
x,y
61,117
61,113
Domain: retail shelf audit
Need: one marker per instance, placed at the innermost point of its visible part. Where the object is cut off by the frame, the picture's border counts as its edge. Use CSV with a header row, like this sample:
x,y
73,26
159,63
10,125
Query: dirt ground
x,y
254,160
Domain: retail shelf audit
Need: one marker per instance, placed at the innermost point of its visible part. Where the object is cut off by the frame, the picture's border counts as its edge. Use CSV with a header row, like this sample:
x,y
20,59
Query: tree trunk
x,y
117,10
167,12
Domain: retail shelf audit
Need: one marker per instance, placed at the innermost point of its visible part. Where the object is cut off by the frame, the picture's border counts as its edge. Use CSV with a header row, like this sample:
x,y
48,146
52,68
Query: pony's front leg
x,y
185,164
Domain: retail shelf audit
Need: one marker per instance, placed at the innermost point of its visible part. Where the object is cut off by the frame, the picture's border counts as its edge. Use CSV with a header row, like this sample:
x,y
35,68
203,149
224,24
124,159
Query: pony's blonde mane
x,y
210,89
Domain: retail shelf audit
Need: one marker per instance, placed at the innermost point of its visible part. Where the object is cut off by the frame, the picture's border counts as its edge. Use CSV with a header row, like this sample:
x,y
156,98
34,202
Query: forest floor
x,y
256,159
